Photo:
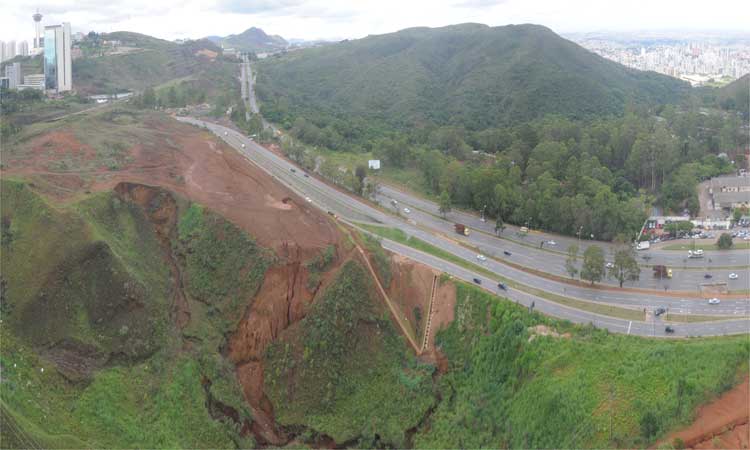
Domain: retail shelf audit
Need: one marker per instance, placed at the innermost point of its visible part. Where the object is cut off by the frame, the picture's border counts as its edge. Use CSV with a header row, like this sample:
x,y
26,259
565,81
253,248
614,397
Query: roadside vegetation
x,y
585,388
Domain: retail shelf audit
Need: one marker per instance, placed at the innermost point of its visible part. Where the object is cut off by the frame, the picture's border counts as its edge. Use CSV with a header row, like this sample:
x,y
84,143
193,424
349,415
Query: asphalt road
x,y
688,274
328,198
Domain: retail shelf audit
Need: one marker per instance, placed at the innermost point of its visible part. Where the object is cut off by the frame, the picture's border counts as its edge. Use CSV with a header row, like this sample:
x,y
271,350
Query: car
x,y
307,175
481,257
477,281
714,301
225,133
746,238
551,243
293,170
507,253
733,276
243,145
308,199
669,329
659,311
669,273
502,286
708,276
407,210
610,265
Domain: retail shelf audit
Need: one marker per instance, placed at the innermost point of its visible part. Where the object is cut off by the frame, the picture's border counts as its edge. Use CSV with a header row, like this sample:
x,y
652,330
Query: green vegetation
x,y
320,264
743,245
344,371
625,266
380,260
90,355
251,40
725,241
593,269
590,389
734,96
470,75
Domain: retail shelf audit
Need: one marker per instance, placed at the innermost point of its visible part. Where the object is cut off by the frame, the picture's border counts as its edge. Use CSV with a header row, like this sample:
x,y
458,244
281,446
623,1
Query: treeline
x,y
599,177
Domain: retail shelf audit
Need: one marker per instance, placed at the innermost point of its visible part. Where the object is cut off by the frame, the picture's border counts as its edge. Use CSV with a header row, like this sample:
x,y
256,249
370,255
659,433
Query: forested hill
x,y
736,95
470,75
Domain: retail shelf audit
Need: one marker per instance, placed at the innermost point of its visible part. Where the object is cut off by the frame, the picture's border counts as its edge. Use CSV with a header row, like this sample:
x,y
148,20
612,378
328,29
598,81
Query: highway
x,y
350,208
688,274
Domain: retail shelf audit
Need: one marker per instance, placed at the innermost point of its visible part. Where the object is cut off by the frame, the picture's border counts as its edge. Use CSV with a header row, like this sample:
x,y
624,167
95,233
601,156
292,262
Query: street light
x,y
483,208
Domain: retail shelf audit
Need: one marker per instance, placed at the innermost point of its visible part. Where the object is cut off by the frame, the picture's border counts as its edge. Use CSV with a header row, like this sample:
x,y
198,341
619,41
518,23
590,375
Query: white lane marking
x,y
629,325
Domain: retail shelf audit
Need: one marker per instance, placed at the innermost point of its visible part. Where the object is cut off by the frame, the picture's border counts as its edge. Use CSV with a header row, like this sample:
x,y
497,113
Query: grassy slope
x,y
344,371
469,74
504,391
155,399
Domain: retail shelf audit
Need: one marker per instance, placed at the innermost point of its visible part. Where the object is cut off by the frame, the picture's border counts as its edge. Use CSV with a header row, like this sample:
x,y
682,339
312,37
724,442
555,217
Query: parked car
x,y
481,257
669,329
733,276
477,281
507,253
659,311
714,301
502,286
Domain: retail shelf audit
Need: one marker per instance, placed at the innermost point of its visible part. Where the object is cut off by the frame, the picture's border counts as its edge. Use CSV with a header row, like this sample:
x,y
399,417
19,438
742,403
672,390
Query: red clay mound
x,y
722,423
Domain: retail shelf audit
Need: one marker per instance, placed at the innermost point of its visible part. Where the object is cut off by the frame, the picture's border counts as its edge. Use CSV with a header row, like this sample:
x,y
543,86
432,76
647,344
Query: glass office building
x,y
57,58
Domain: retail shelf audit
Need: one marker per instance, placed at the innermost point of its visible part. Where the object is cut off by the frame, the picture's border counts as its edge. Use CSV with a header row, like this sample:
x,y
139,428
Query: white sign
x,y
373,164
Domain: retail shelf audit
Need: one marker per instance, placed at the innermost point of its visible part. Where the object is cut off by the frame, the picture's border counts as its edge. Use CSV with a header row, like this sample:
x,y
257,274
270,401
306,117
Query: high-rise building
x,y
33,81
23,48
38,43
58,63
13,73
2,51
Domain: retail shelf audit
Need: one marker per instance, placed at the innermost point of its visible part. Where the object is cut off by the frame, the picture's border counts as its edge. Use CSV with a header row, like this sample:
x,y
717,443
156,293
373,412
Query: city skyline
x,y
337,19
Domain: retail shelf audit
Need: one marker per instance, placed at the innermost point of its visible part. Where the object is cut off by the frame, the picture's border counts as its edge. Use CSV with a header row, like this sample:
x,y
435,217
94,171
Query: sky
x,y
339,19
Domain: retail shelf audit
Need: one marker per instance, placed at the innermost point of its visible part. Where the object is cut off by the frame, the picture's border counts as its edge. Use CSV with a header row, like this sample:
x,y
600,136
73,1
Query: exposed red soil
x,y
410,289
723,423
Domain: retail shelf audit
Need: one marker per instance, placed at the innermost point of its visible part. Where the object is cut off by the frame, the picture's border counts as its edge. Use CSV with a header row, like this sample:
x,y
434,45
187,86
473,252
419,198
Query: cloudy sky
x,y
334,19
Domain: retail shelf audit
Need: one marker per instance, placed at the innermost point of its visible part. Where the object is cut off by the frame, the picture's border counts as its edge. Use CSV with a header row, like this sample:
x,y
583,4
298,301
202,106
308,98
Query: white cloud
x,y
314,19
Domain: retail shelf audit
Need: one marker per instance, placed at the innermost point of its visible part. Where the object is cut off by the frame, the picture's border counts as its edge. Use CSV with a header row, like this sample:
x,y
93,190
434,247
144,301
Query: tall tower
x,y
37,30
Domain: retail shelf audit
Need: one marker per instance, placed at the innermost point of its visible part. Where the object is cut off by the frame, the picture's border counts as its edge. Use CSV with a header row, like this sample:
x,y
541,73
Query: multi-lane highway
x,y
353,209
688,274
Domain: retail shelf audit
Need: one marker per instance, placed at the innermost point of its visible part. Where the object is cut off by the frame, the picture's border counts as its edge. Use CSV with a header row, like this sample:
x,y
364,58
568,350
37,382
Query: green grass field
x,y
736,245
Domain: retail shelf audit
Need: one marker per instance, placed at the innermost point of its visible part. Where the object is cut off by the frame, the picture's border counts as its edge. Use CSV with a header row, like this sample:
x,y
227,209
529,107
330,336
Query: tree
x,y
149,97
360,172
570,262
445,203
725,241
499,225
593,264
625,267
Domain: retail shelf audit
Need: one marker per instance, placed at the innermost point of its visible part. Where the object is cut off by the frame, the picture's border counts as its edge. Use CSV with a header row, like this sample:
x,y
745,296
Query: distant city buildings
x,y
13,74
58,61
33,81
696,62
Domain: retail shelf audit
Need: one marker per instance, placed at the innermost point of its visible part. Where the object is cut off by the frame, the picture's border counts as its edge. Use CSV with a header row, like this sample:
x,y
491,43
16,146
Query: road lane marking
x,y
630,324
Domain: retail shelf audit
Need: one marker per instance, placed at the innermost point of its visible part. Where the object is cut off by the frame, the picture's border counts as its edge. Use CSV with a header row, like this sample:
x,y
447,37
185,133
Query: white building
x,y
13,73
58,62
23,48
34,81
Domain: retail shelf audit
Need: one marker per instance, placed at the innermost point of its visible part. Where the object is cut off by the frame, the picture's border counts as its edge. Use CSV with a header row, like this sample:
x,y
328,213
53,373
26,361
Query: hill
x,y
251,40
470,74
736,95
147,61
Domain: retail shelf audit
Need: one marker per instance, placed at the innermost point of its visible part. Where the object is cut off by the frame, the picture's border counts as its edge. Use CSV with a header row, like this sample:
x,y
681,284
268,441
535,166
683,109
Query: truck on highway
x,y
461,229
645,245
662,271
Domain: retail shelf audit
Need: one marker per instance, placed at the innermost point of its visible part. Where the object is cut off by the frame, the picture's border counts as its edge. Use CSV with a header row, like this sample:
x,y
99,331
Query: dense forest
x,y
559,139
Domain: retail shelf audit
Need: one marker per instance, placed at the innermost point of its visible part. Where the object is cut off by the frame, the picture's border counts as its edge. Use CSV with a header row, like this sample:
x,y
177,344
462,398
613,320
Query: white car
x,y
733,276
243,145
551,243
481,257
714,301
225,133
407,210
308,199
610,265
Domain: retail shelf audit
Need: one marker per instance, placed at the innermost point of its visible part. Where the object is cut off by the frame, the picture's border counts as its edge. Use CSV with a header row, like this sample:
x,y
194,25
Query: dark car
x,y
293,169
307,175
477,281
707,276
659,311
502,286
669,329
507,253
